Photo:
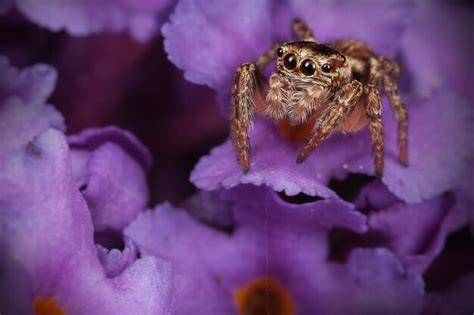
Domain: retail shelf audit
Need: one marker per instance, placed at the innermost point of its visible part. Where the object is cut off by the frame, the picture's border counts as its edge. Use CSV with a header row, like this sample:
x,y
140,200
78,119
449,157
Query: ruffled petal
x,y
85,17
111,179
257,205
273,163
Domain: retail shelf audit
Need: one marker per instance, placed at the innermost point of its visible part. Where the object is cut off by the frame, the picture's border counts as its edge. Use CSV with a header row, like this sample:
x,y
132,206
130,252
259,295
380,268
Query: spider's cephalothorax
x,y
336,85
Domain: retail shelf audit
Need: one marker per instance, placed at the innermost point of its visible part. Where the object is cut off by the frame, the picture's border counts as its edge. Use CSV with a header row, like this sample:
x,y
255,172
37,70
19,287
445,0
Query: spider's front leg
x,y
241,111
342,104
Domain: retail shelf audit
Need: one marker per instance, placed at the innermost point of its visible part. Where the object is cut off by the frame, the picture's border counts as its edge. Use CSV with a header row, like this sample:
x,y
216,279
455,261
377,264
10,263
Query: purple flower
x,y
440,129
50,261
412,210
276,254
80,18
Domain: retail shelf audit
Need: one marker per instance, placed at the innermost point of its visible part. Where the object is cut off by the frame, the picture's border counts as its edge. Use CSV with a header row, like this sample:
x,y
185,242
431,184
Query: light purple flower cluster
x,y
282,239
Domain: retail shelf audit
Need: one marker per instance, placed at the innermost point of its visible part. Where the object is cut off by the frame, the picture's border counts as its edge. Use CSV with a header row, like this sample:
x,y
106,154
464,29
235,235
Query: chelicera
x,y
333,86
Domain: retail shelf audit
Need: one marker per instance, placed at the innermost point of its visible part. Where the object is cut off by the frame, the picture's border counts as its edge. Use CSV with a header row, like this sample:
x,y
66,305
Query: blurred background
x,y
112,79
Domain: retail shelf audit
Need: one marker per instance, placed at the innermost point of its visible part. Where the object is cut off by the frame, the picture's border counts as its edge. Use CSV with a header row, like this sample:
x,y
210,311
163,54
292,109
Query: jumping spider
x,y
336,85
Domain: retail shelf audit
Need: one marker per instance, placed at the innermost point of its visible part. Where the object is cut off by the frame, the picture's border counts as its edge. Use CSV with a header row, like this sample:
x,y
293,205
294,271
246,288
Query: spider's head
x,y
304,67
311,62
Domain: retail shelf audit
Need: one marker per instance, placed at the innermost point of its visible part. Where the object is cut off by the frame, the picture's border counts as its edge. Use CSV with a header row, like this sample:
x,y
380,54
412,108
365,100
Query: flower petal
x,y
379,24
273,163
210,39
440,145
23,112
256,205
372,281
375,282
47,227
436,48
456,300
112,182
85,17
91,138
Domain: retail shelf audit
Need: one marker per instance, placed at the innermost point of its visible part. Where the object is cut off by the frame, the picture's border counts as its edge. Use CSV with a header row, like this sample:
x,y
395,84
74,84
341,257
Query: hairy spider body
x,y
334,86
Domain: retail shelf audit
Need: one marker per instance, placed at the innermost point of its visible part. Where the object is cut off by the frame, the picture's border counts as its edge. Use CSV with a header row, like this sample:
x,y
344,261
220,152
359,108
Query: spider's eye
x,y
308,67
280,52
290,62
326,68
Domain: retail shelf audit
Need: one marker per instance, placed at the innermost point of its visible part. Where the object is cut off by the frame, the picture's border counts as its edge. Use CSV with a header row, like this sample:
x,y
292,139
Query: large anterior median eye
x,y
308,67
290,62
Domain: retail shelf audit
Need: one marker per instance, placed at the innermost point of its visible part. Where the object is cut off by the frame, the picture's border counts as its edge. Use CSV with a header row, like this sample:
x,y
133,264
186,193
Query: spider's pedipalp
x,y
345,100
301,31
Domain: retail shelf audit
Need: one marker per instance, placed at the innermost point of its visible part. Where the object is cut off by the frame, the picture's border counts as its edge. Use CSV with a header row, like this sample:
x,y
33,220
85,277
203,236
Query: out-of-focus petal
x,y
437,50
91,138
106,164
210,39
379,24
373,280
86,17
116,261
455,300
46,228
23,113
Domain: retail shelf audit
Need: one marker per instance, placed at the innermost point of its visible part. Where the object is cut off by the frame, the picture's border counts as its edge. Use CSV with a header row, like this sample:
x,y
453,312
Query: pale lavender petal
x,y
46,227
379,24
86,17
210,39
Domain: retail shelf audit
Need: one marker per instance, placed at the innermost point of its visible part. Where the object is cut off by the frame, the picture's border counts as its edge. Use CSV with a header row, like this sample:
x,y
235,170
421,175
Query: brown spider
x,y
330,86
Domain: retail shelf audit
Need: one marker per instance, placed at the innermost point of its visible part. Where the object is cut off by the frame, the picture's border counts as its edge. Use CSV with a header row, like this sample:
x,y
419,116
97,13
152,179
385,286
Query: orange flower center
x,y
264,297
46,306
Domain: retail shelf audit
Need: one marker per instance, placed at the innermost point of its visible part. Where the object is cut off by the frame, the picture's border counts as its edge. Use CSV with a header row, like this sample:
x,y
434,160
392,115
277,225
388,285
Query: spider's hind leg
x,y
392,71
374,115
301,31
